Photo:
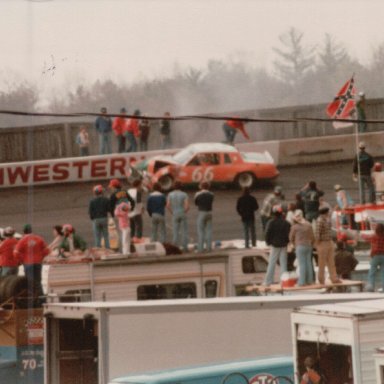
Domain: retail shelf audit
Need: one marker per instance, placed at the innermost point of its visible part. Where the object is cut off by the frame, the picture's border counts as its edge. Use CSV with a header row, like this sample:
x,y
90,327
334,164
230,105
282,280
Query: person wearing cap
x,y
246,207
378,181
103,125
204,201
277,237
119,128
30,251
132,132
118,195
311,196
325,247
71,240
8,263
361,115
362,167
302,237
178,206
98,209
272,199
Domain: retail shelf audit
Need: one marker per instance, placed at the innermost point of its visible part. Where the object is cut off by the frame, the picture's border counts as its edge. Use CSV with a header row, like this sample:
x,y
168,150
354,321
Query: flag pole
x,y
358,160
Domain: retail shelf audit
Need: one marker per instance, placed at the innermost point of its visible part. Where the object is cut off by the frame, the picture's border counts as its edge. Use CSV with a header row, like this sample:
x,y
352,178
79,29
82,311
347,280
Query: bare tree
x,y
332,54
295,59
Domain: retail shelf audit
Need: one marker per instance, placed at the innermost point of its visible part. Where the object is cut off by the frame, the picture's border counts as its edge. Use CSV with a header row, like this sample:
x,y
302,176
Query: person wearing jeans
x,y
377,257
98,210
103,125
203,201
302,237
156,203
277,237
178,205
246,206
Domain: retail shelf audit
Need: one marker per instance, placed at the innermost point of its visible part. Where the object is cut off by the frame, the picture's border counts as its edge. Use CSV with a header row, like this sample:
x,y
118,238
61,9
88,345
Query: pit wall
x,y
285,153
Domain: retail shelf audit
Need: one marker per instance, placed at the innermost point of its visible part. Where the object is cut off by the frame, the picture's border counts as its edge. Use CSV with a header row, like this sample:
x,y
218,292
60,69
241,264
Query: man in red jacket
x,y
30,251
9,264
230,128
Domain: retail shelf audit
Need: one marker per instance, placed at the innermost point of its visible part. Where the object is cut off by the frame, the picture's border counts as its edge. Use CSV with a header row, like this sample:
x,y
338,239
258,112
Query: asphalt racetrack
x,y
46,206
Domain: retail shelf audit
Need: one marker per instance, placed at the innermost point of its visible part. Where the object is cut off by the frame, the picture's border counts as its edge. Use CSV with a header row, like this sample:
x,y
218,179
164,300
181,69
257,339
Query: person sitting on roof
x,y
71,241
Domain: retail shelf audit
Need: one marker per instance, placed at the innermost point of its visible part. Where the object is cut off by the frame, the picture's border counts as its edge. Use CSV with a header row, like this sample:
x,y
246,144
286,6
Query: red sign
x,y
262,378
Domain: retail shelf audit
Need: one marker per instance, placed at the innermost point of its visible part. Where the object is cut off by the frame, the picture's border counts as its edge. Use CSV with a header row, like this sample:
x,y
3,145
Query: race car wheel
x,y
245,179
166,182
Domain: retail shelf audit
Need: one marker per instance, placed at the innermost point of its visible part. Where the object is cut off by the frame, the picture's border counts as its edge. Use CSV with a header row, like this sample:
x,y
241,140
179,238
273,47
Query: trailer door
x,y
72,351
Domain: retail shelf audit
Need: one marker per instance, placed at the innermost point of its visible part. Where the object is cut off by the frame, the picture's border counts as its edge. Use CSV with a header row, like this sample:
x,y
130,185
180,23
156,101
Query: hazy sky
x,y
134,39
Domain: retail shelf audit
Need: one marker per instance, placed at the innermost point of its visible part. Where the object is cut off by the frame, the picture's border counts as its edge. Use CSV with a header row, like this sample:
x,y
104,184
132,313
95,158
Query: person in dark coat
x,y
99,207
345,261
362,168
246,207
277,237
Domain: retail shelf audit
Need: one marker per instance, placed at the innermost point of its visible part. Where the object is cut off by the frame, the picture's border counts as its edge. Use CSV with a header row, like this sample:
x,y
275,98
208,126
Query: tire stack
x,y
16,287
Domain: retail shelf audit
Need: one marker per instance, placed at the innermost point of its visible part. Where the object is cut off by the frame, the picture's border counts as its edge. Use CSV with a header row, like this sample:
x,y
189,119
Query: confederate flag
x,y
343,105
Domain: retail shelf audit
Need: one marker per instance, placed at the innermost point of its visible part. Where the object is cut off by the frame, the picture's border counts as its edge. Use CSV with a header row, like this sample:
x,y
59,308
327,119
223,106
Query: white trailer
x,y
148,276
99,341
341,338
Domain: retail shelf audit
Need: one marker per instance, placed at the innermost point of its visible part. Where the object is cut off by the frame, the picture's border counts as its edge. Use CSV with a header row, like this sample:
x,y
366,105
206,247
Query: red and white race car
x,y
213,162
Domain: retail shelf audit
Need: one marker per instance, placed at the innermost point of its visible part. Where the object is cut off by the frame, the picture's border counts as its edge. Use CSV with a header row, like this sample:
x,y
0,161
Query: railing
x,y
48,141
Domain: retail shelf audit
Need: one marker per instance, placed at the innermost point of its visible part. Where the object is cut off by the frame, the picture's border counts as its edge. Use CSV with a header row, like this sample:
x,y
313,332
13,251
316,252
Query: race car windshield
x,y
183,156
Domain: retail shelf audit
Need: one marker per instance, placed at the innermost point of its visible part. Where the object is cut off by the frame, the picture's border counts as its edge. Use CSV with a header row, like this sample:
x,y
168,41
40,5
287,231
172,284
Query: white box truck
x,y
341,339
99,341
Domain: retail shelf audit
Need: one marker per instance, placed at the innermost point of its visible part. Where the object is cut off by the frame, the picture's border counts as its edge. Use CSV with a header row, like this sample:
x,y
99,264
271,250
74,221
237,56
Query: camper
x,y
341,339
98,342
151,274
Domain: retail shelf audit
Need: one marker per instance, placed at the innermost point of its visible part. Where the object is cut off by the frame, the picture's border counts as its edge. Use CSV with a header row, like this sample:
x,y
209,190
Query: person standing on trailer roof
x,y
178,206
272,199
246,207
118,195
277,237
325,247
311,196
204,201
156,204
99,207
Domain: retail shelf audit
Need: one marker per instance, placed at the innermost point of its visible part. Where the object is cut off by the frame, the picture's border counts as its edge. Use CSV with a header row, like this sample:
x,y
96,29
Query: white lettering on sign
x,y
263,378
201,174
29,364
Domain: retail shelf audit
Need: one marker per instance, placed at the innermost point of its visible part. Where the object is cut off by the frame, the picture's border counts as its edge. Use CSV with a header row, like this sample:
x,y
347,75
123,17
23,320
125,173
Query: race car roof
x,y
210,147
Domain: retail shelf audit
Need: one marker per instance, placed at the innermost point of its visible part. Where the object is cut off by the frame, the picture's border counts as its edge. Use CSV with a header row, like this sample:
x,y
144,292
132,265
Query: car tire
x,y
166,183
245,179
